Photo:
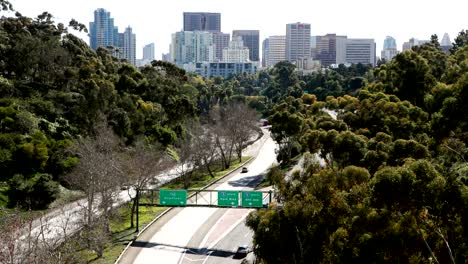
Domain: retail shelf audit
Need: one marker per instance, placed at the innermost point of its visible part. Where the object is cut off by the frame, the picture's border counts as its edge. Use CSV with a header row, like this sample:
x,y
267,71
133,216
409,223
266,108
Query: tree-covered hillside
x,y
394,187
54,90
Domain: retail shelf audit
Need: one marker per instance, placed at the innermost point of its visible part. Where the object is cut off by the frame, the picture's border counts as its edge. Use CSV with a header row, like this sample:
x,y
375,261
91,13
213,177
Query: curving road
x,y
204,235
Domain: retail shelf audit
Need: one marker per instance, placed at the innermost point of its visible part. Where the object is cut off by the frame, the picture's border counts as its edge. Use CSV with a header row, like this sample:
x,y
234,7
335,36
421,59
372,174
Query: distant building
x,y
202,21
251,40
313,46
166,57
297,41
148,55
221,41
148,52
446,44
307,65
389,49
413,42
330,49
129,46
265,46
276,51
224,69
192,46
236,51
102,32
360,51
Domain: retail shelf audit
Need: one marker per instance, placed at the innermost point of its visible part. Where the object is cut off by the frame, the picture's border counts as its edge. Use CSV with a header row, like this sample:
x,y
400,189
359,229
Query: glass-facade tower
x,y
103,33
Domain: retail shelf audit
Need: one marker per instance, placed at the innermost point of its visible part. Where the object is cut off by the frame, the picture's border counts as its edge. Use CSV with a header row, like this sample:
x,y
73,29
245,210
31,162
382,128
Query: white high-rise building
x,y
148,52
341,48
360,51
236,51
389,49
192,46
276,50
413,42
446,44
129,46
297,41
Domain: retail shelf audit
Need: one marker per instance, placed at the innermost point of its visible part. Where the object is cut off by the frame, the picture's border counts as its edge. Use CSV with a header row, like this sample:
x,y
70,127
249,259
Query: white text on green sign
x,y
252,199
228,198
173,197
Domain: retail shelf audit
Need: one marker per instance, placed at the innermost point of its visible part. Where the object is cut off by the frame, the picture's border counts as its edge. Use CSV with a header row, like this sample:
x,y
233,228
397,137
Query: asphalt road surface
x,y
202,234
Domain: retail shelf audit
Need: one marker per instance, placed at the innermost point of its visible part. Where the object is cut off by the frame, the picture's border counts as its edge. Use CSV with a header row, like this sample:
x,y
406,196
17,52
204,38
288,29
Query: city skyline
x,y
156,21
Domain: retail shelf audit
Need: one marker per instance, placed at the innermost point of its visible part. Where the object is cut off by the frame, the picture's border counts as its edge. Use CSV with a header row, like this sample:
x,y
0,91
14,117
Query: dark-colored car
x,y
244,170
241,252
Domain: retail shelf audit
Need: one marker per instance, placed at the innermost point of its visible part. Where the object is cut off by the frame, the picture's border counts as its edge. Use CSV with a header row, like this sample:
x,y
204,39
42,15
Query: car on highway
x,y
241,252
244,170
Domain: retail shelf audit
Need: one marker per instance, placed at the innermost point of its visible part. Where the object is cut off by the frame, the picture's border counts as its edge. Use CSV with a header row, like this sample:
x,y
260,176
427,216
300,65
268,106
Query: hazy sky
x,y
155,20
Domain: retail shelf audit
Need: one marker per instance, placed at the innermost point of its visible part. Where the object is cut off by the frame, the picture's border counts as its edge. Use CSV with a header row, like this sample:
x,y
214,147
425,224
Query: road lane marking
x,y
207,257
202,244
240,220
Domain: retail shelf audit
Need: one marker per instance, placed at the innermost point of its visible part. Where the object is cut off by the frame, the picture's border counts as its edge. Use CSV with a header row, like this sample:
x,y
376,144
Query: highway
x,y
202,234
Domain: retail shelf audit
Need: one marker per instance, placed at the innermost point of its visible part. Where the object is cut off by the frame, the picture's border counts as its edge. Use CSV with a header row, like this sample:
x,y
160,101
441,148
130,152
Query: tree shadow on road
x,y
188,250
251,181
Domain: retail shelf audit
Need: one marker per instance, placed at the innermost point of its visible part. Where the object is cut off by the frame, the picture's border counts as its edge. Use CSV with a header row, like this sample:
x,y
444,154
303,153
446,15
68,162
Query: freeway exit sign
x,y
228,198
173,197
252,199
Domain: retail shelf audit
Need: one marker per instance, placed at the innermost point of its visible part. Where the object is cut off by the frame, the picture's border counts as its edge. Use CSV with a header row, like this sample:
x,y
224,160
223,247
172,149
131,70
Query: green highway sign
x,y
173,197
252,199
228,198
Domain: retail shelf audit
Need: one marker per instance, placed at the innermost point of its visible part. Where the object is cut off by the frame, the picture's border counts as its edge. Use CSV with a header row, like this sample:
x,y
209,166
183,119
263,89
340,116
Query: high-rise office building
x,y
389,49
265,44
221,41
389,43
192,46
446,44
148,52
330,49
276,51
413,42
102,32
360,51
201,21
297,41
166,57
236,52
313,46
129,46
251,39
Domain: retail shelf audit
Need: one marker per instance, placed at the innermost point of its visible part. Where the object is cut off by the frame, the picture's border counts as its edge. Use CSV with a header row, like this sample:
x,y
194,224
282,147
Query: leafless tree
x,y
24,240
141,163
186,160
98,174
245,119
204,145
235,124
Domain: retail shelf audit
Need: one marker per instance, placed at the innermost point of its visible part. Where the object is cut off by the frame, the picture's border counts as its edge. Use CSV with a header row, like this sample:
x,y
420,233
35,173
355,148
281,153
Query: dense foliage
x,y
392,184
55,89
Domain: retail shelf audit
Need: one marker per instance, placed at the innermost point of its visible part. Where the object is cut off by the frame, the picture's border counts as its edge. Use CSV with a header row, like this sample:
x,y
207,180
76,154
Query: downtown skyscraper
x,y
389,49
297,41
251,39
202,21
129,45
103,33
